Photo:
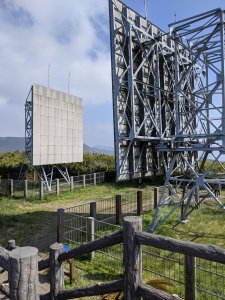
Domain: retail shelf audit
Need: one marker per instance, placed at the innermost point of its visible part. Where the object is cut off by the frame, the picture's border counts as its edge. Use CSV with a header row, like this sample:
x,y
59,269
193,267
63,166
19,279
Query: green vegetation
x,y
27,220
93,163
32,222
170,265
11,162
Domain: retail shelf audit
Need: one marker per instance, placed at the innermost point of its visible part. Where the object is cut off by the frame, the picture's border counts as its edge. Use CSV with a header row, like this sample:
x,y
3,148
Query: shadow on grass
x,y
102,276
37,229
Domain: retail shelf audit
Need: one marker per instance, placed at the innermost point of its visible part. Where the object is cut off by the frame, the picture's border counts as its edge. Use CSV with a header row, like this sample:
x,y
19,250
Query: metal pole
x,y
146,15
48,75
69,83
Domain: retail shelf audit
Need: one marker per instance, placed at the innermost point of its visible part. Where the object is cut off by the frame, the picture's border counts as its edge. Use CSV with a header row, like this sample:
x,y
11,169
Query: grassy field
x,y
27,221
205,226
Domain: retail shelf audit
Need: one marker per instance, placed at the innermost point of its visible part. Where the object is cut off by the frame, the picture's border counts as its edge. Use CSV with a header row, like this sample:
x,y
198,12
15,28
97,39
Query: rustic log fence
x,y
22,266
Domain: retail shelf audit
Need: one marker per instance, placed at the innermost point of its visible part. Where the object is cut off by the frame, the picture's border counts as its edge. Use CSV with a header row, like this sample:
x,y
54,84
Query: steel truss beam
x,y
143,77
189,176
169,105
46,174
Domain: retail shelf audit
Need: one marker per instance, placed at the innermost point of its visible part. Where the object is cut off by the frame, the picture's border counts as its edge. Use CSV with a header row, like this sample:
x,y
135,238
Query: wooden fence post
x,y
56,271
72,271
23,274
132,258
118,209
93,210
189,267
139,203
84,181
25,188
91,233
60,225
156,197
71,184
57,187
11,245
95,179
41,189
11,187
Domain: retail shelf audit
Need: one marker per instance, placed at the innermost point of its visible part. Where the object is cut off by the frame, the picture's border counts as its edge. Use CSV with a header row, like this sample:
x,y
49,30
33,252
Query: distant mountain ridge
x,y
10,144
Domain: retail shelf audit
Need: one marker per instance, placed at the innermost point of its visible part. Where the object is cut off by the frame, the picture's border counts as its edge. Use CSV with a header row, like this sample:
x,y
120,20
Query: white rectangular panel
x,y
56,116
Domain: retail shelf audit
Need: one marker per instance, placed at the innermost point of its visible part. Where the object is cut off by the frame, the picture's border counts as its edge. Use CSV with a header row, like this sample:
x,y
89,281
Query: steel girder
x,y
169,105
192,172
143,76
29,125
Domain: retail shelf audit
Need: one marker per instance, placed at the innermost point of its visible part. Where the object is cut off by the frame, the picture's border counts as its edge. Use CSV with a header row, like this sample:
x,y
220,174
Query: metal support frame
x,y
28,136
198,145
169,105
143,108
45,172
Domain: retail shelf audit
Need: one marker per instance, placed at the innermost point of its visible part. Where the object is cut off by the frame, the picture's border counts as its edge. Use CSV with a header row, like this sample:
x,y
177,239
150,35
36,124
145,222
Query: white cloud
x,y
69,35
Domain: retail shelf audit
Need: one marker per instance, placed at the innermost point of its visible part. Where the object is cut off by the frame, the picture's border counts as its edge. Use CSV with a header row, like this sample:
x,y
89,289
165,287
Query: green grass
x,y
205,226
28,220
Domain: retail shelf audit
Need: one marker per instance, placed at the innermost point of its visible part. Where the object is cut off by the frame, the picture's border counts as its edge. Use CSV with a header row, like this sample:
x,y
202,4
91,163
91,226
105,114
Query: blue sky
x,y
73,37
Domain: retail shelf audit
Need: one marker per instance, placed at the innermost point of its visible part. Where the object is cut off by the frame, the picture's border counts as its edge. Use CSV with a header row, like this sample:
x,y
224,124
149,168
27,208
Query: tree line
x,y
11,162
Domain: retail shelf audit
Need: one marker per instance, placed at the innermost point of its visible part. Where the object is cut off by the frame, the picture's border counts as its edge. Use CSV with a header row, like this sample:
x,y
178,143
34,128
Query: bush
x,y
93,163
11,162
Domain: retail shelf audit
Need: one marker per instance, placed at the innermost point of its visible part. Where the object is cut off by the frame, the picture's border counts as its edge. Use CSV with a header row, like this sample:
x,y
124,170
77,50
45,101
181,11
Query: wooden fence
x,y
22,265
25,188
110,210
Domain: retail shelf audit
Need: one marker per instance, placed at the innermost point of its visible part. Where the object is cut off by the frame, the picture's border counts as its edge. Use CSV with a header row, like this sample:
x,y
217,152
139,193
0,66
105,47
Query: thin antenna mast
x,y
48,75
69,83
146,15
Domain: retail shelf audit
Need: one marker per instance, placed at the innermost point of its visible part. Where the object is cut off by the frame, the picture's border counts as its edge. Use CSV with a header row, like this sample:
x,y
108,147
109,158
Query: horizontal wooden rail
x,y
107,241
148,292
4,290
208,252
99,289
4,258
43,264
45,297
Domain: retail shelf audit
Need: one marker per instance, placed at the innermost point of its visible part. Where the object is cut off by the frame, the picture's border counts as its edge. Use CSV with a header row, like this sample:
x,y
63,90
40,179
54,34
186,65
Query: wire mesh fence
x,y
78,181
165,265
106,210
148,204
75,229
129,203
4,187
64,185
210,279
209,276
100,177
32,188
28,188
111,257
90,179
